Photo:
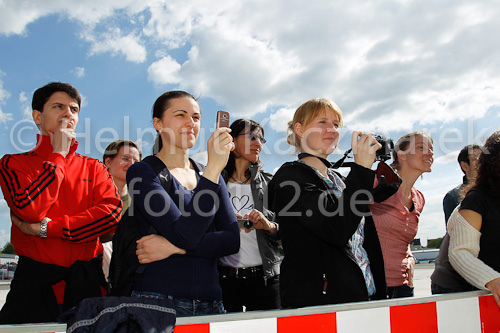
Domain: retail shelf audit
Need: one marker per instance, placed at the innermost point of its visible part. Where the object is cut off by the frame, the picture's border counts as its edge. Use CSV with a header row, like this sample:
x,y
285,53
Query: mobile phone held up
x,y
245,224
222,119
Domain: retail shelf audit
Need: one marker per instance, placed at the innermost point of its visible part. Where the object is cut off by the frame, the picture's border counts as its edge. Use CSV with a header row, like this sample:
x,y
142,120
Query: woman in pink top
x,y
396,218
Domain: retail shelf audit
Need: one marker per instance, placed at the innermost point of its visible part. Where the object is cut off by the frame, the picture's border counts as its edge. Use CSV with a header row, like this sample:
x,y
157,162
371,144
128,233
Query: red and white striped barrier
x,y
463,314
472,312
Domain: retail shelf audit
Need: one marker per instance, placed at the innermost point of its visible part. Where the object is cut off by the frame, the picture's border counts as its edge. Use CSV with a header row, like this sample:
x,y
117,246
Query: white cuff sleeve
x,y
463,252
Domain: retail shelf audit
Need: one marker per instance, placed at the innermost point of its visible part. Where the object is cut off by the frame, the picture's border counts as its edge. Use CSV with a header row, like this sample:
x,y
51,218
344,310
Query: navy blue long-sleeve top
x,y
200,221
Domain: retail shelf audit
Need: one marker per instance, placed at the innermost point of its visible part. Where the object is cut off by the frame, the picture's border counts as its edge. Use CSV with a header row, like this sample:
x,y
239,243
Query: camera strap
x,y
325,161
340,162
329,164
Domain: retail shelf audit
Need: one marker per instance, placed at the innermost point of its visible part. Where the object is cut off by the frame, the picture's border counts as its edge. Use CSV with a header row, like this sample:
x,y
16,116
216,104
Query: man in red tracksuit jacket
x,y
60,202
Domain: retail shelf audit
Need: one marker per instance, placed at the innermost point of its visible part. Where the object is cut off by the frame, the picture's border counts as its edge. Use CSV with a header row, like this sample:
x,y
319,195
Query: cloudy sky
x,y
391,66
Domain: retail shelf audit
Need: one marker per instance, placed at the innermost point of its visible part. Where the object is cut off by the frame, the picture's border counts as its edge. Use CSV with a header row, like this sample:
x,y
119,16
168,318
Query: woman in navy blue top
x,y
195,215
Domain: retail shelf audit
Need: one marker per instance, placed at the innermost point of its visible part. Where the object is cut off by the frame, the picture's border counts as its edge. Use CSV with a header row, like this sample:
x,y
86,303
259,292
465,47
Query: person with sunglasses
x,y
250,278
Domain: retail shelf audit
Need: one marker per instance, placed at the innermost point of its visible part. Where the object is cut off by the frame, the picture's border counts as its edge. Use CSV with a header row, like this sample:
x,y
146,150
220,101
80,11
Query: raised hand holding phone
x,y
222,119
219,145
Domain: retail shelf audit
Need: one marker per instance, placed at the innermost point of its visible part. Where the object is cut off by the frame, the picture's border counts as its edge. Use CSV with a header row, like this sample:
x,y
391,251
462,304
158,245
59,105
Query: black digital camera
x,y
384,153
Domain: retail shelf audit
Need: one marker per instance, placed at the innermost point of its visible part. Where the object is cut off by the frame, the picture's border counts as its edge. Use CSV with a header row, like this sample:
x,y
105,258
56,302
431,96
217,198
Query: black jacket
x,y
315,244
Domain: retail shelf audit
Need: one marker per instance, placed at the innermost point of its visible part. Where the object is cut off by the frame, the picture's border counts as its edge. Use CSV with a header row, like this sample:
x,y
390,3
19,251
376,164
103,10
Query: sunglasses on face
x,y
254,136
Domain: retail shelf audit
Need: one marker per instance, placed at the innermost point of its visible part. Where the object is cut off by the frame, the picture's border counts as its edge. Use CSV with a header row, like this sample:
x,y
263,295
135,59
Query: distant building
x,y
415,244
8,258
8,265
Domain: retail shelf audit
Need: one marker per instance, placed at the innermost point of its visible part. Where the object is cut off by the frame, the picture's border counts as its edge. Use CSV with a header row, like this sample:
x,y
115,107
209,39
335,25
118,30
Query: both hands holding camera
x,y
255,220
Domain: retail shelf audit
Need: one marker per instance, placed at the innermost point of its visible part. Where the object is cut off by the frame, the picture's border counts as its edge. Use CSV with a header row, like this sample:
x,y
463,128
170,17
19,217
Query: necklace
x,y
239,182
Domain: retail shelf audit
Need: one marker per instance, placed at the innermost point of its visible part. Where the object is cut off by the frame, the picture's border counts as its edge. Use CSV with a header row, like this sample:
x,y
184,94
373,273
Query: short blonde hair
x,y
307,112
404,143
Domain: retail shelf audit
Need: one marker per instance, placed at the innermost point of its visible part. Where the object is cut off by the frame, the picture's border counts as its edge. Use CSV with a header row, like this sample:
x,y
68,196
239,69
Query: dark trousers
x,y
31,298
252,292
400,291
437,289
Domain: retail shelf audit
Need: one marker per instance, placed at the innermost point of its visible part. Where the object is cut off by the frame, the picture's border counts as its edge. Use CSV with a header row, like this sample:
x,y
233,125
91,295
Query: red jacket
x,y
76,192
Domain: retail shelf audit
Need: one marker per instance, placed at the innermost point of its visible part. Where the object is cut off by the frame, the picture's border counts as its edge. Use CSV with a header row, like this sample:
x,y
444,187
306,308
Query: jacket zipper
x,y
325,284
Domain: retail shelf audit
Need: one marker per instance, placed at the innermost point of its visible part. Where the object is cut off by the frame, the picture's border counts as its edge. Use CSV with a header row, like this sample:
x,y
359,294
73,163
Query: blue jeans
x,y
186,307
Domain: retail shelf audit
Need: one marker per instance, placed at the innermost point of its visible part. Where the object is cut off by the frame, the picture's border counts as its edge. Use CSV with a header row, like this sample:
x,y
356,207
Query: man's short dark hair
x,y
42,95
114,147
464,154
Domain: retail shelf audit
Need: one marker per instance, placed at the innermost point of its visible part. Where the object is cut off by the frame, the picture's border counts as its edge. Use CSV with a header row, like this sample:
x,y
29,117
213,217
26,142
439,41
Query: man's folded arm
x,y
30,194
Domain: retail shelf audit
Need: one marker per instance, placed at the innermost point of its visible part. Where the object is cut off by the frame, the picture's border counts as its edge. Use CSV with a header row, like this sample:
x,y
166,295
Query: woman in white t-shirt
x,y
250,278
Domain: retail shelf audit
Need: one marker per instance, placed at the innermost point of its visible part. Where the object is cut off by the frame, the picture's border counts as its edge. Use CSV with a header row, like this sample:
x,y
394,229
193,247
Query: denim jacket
x,y
269,243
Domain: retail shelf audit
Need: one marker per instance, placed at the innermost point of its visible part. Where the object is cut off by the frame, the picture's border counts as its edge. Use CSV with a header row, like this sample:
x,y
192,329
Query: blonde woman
x,y
332,253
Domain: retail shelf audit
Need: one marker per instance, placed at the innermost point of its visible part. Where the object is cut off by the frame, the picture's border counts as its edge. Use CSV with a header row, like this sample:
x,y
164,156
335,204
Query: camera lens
x,y
248,224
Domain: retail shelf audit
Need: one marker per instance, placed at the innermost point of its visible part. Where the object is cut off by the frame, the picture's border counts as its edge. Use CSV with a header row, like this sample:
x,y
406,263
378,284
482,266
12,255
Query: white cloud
x,y
173,22
164,71
15,16
116,43
23,97
27,112
245,74
25,105
5,117
409,61
79,72
84,100
279,120
380,62
4,95
448,158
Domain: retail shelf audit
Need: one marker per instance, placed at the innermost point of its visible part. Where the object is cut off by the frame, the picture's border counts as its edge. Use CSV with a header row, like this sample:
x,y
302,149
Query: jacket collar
x,y
254,168
44,146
